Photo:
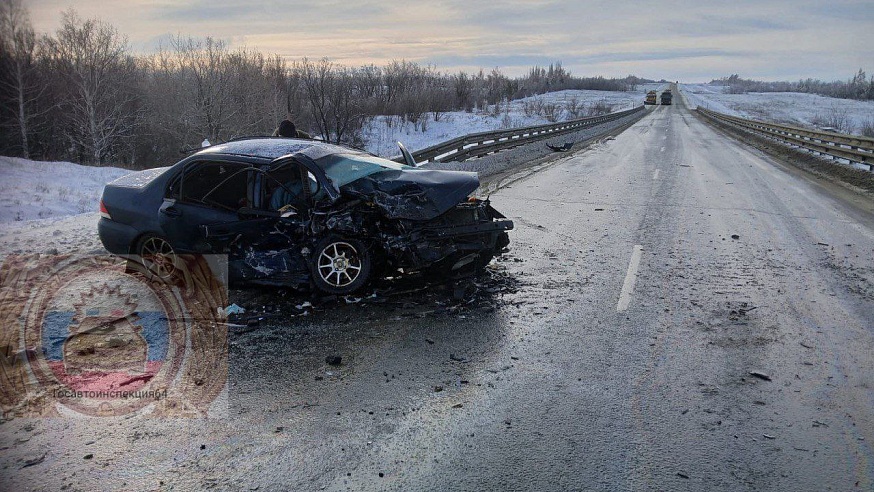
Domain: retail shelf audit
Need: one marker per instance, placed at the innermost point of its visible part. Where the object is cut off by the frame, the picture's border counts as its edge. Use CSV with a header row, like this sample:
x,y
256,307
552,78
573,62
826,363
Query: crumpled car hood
x,y
415,194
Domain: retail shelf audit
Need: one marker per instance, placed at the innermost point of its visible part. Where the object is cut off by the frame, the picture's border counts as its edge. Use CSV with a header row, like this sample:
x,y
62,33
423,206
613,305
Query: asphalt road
x,y
649,275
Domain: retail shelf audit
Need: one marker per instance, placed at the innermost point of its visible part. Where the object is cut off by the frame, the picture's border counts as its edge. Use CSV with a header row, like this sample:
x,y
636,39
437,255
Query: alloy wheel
x,y
339,264
158,257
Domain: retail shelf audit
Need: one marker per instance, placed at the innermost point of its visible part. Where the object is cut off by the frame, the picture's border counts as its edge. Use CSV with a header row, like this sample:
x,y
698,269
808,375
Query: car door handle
x,y
171,211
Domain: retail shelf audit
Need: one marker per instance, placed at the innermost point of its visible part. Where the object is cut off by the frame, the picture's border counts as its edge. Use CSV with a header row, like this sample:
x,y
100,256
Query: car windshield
x,y
343,169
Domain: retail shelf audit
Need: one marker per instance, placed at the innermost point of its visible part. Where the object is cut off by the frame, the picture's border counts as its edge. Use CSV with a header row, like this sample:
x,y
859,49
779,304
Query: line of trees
x,y
80,94
859,86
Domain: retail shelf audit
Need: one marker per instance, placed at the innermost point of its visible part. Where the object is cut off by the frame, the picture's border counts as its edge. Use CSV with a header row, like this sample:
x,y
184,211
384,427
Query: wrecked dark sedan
x,y
292,212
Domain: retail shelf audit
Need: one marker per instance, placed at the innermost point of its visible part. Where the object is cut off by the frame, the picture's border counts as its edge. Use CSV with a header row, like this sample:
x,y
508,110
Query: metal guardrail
x,y
836,145
482,143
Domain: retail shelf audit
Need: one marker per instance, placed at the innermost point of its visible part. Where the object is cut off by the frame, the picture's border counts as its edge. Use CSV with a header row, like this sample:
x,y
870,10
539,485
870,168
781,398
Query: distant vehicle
x,y
291,211
650,97
667,97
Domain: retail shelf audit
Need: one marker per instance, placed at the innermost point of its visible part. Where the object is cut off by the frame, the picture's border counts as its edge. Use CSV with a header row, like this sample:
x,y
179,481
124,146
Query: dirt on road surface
x,y
677,312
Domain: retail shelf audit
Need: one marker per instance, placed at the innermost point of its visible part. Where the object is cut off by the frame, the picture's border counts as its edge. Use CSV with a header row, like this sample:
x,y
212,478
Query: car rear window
x,y
343,169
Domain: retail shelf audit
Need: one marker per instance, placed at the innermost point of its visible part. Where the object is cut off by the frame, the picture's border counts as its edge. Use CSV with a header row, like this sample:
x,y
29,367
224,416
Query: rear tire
x,y
340,266
156,258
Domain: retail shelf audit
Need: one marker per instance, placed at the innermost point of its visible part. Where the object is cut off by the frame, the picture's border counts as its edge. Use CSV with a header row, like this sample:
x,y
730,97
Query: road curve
x,y
652,274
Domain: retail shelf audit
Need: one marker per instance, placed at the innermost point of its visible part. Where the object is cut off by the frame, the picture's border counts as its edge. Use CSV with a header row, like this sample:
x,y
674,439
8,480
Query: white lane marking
x,y
630,279
655,175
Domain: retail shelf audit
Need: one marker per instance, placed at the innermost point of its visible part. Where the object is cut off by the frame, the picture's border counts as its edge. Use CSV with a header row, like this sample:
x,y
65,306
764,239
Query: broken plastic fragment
x,y
234,309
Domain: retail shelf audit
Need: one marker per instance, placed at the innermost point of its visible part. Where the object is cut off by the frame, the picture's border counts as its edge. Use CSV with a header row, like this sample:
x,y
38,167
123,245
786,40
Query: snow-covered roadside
x,y
71,234
809,110
382,139
31,190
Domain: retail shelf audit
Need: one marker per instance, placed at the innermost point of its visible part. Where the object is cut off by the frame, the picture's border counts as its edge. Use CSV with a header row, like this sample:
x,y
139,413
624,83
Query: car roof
x,y
275,147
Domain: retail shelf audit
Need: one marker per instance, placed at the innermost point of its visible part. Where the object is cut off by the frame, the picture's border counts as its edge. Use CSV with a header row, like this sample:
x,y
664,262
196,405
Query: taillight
x,y
103,212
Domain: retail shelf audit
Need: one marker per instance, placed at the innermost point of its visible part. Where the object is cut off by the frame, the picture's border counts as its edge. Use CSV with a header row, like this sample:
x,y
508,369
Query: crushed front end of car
x,y
420,220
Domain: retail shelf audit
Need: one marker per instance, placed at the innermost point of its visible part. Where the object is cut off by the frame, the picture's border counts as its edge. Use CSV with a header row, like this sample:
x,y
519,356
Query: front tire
x,y
340,266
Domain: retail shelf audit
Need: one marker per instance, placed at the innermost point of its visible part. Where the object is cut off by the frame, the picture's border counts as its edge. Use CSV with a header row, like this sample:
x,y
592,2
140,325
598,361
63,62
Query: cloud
x,y
667,38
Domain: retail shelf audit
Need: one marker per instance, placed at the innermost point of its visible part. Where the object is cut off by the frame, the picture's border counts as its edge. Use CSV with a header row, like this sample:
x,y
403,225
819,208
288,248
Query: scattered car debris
x,y
561,148
35,461
760,375
735,236
682,475
234,309
333,360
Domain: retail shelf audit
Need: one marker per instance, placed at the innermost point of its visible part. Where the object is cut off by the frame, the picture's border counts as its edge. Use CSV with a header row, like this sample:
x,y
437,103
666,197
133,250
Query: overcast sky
x,y
689,40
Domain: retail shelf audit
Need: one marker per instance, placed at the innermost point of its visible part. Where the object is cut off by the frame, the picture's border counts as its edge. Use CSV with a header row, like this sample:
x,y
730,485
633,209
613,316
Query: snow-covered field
x,y
809,110
39,190
381,138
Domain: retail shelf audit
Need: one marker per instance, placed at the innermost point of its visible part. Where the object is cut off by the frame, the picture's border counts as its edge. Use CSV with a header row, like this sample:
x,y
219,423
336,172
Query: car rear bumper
x,y
116,237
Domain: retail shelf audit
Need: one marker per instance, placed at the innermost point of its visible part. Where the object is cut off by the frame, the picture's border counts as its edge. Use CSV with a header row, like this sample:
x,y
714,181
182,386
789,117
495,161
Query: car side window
x,y
214,184
284,188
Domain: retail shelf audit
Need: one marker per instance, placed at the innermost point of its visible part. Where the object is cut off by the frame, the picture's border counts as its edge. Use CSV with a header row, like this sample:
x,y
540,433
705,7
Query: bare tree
x,y
18,43
97,75
330,99
316,81
202,65
346,116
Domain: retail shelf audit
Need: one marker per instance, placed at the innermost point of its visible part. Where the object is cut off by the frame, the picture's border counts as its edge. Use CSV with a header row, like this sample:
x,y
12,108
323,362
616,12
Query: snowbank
x,y
32,190
382,138
794,108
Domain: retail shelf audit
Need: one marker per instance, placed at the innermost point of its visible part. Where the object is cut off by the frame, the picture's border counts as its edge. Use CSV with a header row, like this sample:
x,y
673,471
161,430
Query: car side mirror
x,y
408,157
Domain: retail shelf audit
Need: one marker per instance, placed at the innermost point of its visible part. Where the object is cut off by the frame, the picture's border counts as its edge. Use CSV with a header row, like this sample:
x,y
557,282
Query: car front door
x,y
201,212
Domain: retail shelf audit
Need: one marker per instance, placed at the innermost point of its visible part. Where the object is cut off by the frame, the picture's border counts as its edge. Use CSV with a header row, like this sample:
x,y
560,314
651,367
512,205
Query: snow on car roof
x,y
273,147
